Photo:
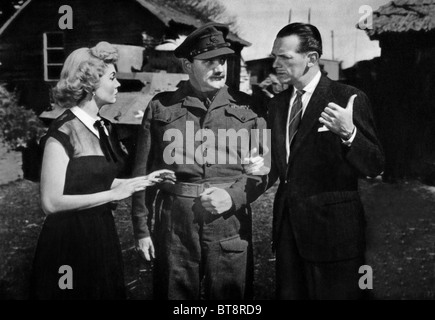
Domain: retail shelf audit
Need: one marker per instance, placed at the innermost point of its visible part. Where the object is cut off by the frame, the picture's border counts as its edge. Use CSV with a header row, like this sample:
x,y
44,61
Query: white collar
x,y
86,119
311,86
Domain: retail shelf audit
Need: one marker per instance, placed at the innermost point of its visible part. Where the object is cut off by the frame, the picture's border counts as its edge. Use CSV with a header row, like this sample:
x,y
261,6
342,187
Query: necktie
x,y
295,116
105,143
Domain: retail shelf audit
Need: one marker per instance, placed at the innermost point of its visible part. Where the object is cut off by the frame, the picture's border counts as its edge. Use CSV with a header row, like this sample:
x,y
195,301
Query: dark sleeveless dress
x,y
85,240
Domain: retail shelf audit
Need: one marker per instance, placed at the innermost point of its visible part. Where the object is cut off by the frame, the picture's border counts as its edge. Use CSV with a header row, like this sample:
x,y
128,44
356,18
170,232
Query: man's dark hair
x,y
309,35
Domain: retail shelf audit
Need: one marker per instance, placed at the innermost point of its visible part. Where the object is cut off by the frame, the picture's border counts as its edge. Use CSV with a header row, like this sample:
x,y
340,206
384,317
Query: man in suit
x,y
329,136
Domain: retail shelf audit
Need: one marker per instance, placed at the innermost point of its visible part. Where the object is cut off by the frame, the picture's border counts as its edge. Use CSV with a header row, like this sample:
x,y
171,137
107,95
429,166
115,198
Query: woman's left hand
x,y
162,176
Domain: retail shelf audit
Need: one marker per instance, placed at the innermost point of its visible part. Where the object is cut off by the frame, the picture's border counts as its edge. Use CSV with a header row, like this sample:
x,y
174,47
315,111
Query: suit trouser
x,y
200,255
297,278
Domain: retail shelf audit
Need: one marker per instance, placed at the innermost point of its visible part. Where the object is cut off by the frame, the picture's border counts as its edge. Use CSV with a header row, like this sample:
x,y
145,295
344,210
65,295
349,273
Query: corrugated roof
x,y
401,16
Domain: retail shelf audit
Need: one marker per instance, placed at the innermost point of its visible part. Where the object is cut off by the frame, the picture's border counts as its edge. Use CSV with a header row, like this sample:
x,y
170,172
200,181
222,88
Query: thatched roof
x,y
12,18
164,13
167,14
403,16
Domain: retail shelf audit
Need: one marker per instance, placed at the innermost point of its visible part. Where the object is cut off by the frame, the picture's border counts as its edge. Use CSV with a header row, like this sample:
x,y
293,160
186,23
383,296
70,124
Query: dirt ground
x,y
10,165
400,231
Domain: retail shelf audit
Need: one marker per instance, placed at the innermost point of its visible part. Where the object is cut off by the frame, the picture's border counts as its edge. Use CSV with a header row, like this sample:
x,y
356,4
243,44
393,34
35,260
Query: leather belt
x,y
191,190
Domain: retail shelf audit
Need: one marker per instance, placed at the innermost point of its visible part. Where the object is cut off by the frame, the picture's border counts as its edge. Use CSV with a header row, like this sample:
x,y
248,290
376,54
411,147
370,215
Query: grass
x,y
400,232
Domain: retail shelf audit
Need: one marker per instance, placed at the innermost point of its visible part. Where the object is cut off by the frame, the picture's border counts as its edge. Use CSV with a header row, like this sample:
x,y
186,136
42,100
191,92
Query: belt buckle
x,y
190,189
193,189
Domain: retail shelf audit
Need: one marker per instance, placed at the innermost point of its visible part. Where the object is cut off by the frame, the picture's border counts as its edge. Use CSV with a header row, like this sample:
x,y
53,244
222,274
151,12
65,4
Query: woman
x,y
78,185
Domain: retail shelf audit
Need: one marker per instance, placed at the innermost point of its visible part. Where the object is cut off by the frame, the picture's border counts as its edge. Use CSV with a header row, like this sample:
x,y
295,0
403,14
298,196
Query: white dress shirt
x,y
308,92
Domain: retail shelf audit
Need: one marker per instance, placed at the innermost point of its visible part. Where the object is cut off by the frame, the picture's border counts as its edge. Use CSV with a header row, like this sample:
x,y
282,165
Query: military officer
x,y
202,236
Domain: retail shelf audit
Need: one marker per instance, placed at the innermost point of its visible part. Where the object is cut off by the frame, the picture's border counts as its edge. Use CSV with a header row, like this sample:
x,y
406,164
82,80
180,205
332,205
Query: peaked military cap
x,y
206,42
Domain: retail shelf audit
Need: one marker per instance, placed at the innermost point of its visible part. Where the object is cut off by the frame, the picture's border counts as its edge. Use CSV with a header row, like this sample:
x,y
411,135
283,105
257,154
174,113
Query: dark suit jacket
x,y
320,184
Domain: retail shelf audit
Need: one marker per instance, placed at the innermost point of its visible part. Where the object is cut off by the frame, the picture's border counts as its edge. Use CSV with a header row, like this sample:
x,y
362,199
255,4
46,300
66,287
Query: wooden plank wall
x,y
115,21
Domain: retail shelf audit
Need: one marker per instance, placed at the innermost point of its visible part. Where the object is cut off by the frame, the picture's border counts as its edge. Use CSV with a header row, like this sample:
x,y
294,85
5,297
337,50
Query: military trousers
x,y
200,255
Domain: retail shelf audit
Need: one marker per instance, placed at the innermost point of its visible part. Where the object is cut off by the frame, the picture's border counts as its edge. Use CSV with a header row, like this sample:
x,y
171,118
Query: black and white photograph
x,y
244,151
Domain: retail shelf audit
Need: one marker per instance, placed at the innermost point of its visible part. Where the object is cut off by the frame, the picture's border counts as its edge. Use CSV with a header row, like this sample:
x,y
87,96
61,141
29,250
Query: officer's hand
x,y
339,120
216,200
145,246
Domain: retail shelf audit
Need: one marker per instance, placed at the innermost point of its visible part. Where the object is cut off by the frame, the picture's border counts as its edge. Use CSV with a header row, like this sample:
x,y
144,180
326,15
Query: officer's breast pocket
x,y
168,129
239,123
239,119
164,120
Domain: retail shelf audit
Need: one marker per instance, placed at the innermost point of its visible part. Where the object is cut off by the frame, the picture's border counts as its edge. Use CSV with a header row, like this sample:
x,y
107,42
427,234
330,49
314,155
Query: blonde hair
x,y
81,73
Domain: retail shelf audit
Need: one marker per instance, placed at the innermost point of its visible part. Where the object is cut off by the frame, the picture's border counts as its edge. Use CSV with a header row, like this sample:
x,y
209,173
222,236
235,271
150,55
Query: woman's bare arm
x,y
54,165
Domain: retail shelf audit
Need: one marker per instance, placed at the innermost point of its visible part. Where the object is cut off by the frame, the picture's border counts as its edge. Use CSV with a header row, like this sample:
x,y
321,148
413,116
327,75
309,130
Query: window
x,y
54,55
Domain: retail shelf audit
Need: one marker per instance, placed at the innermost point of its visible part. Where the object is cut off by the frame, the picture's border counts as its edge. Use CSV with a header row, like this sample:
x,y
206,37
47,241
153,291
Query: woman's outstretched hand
x,y
124,188
162,176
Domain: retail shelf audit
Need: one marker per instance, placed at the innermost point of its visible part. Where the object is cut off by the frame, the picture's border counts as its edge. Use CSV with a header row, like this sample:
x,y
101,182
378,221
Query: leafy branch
x,y
18,125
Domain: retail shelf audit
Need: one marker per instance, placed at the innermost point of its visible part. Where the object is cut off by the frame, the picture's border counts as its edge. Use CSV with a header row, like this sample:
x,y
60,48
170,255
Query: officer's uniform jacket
x,y
171,112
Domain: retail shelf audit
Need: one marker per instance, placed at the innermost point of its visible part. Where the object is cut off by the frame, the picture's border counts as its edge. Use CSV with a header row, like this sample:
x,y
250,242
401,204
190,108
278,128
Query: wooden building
x,y
33,46
404,100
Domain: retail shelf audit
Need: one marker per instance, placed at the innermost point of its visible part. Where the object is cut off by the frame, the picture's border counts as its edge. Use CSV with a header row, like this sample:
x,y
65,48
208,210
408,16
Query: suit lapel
x,y
319,100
